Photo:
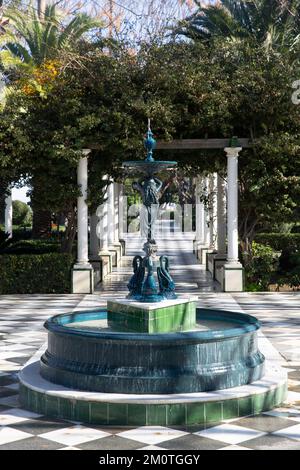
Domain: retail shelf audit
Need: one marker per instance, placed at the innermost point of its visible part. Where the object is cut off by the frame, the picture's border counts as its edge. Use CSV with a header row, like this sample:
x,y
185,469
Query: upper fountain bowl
x,y
149,166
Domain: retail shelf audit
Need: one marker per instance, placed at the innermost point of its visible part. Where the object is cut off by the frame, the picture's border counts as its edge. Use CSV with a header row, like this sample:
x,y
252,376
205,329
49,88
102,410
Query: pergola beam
x,y
190,144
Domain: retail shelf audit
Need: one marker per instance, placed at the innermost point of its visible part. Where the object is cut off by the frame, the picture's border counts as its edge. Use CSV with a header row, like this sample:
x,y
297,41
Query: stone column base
x,y
116,248
97,267
210,262
106,258
219,261
233,277
123,246
82,279
201,253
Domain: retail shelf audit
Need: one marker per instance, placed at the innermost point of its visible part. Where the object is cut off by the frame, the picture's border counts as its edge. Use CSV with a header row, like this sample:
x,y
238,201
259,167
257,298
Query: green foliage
x,y
280,241
34,274
35,40
22,214
273,23
4,240
31,247
262,267
20,234
105,94
289,269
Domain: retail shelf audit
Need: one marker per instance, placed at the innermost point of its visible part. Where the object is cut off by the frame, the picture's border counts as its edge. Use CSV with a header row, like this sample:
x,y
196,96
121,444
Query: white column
x,y
232,204
82,211
82,274
94,240
9,214
113,231
122,212
206,216
116,212
213,211
110,214
102,213
103,231
221,218
203,224
199,212
233,270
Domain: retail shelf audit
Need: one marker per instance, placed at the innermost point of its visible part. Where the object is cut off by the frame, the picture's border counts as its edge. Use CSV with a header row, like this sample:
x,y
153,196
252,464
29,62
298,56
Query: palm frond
x,y
273,23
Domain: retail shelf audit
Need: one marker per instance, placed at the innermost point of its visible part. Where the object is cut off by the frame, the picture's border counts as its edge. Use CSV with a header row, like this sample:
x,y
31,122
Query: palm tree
x,y
36,38
273,23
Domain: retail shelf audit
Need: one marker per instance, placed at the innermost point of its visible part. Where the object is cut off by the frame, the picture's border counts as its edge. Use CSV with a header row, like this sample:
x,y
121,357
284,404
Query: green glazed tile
x,y
66,408
245,406
32,400
213,412
23,395
156,415
269,400
52,406
230,409
263,402
117,414
98,413
258,403
195,413
159,320
82,411
137,415
41,403
176,414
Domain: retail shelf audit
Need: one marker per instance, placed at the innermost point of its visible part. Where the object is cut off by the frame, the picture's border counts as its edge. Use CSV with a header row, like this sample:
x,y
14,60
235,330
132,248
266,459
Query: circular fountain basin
x,y
85,354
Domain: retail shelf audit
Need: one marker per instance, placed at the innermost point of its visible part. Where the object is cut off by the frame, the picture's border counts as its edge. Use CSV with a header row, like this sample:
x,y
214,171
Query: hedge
x,y
31,247
36,274
280,241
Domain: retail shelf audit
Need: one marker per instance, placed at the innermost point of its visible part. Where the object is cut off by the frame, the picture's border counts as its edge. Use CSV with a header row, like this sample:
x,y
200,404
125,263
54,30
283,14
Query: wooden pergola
x,y
227,257
204,144
191,144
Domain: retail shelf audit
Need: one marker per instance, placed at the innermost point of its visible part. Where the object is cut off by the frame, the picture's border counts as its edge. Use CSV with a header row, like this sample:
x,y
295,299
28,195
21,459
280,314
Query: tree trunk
x,y
41,223
2,199
70,233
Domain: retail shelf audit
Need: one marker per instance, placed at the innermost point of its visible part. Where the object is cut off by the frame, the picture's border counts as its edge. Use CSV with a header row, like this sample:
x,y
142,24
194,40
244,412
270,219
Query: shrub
x,y
22,214
21,234
36,274
4,240
289,268
262,267
279,241
31,247
289,260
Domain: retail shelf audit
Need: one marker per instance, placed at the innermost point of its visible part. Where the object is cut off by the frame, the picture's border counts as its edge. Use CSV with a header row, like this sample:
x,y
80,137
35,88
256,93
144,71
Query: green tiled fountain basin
x,y
163,317
41,396
220,352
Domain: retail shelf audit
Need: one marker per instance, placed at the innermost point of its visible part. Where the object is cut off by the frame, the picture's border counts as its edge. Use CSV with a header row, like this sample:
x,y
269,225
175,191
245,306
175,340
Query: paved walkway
x,y
187,273
21,334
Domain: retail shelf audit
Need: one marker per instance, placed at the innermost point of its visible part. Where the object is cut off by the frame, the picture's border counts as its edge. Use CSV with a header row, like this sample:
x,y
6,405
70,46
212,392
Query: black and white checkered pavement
x,y
21,334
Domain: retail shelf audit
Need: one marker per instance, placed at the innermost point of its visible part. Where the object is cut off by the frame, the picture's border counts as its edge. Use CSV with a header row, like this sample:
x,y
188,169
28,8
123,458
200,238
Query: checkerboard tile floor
x,y
21,334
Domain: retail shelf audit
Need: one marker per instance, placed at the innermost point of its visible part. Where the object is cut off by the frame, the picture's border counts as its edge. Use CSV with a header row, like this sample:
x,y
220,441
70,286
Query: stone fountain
x,y
154,358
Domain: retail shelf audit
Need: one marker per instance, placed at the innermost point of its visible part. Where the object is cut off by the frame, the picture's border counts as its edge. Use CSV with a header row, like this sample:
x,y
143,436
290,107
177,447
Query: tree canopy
x,y
105,92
